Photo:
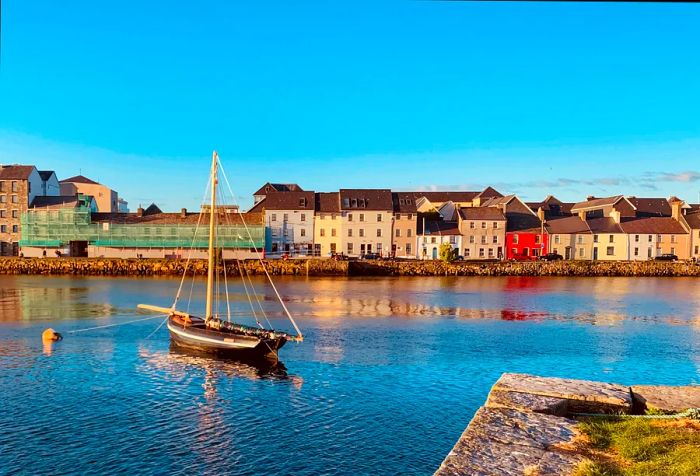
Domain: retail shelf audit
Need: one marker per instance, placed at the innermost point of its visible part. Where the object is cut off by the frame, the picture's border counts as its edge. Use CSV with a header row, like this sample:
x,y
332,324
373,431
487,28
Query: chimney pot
x,y
183,212
589,198
139,212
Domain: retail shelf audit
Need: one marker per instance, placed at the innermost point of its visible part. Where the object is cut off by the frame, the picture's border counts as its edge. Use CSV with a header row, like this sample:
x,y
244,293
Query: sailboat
x,y
210,333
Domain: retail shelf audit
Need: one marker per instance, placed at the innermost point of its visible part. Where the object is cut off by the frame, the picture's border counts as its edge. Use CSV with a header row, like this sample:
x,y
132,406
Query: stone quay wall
x,y
327,267
525,428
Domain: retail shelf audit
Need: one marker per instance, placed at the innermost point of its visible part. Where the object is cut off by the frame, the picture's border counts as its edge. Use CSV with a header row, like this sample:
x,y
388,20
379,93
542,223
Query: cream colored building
x,y
570,237
483,231
405,225
289,221
107,199
328,225
650,237
367,221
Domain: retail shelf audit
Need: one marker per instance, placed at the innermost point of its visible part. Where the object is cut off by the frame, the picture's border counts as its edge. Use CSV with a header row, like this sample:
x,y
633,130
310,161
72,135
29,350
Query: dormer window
x,y
362,203
302,202
353,203
346,202
408,201
402,201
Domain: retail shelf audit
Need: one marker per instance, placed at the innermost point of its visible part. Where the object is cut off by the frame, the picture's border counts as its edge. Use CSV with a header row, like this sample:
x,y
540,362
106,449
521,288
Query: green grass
x,y
636,447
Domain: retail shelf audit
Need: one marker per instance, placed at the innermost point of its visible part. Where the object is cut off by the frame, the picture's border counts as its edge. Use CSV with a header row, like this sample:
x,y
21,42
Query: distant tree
x,y
446,253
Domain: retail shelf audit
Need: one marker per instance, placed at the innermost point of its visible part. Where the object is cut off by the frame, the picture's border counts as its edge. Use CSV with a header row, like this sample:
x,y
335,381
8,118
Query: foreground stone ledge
x,y
667,399
523,429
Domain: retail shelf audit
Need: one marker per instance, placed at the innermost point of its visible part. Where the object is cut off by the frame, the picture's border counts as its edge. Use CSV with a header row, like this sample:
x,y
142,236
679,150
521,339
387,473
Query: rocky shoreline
x,y
526,425
326,267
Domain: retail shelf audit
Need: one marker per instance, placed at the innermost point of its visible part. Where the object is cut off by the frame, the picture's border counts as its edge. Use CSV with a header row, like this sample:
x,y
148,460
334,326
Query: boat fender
x,y
50,335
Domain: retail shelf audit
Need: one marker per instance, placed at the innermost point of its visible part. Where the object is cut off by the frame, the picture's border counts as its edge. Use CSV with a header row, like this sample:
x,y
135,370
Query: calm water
x,y
389,376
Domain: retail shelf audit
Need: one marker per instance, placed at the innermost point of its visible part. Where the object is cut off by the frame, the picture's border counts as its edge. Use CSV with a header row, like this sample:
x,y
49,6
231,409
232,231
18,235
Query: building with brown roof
x,y
328,225
289,217
552,207
570,237
436,232
403,241
616,207
270,188
650,237
19,186
610,241
692,219
483,231
107,199
367,221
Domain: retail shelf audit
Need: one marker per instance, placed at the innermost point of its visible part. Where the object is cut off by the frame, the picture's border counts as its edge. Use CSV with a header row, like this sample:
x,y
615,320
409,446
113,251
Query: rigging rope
x,y
259,256
114,325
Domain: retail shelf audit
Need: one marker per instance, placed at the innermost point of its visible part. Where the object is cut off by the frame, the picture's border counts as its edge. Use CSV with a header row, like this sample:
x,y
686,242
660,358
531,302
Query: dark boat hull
x,y
229,344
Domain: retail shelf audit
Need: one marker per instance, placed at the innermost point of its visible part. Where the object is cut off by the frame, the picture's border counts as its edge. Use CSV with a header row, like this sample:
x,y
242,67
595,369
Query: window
x,y
350,232
14,199
302,202
483,239
490,252
303,232
611,239
515,239
673,240
349,216
481,252
349,248
658,238
3,228
303,217
408,248
673,250
538,238
379,232
595,238
2,185
483,224
495,239
495,224
467,252
398,233
471,238
332,231
409,233
346,202
432,239
14,186
362,217
697,249
581,252
610,251
3,198
273,217
636,251
322,232
556,239
332,216
453,239
471,224
15,229
535,252
2,213
379,217
650,239
362,232
514,251
649,253
285,232
29,187
274,232
285,217
580,240
636,238
526,251
410,215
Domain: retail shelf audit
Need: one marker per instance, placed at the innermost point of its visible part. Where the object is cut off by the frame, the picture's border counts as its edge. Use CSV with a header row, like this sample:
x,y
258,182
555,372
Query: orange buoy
x,y
50,335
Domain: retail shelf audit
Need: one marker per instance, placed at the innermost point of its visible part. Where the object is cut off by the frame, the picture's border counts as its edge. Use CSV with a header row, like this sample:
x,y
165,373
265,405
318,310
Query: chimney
x,y
589,198
676,208
582,215
540,213
615,215
183,213
139,212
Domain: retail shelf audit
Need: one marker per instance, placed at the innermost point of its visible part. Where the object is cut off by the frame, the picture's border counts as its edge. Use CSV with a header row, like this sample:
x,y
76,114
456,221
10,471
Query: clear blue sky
x,y
534,98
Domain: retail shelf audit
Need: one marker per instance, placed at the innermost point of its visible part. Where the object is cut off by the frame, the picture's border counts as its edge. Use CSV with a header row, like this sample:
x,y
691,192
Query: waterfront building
x,y
436,232
569,236
328,225
650,237
289,219
367,221
483,232
403,241
73,229
271,188
692,219
609,242
525,235
19,186
106,198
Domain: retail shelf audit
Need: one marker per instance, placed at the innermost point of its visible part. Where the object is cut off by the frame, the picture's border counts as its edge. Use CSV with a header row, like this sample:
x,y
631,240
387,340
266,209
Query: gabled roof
x,y
481,213
603,225
278,187
365,198
55,201
80,179
152,209
404,202
46,174
652,225
286,201
552,206
489,192
16,172
455,196
594,203
693,219
327,202
442,228
566,225
648,207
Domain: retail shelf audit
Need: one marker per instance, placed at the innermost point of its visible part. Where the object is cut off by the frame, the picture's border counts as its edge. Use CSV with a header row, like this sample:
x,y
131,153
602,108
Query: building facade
x,y
328,225
403,241
367,221
107,199
483,231
289,219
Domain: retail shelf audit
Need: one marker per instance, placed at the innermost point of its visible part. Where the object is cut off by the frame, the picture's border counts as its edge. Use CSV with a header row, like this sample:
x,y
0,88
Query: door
x,y
595,253
567,252
434,253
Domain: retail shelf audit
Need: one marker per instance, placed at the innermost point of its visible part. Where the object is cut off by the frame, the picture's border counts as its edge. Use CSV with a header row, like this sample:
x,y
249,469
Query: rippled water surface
x,y
388,377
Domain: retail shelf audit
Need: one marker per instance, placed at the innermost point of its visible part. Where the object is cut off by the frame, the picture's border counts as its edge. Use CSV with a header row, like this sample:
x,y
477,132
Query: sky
x,y
533,98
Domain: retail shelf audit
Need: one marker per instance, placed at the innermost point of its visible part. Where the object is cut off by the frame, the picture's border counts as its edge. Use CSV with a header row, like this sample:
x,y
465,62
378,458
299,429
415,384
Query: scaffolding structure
x,y
59,227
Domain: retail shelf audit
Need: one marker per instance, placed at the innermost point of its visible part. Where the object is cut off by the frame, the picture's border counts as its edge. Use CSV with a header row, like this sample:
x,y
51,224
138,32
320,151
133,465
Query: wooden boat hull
x,y
233,345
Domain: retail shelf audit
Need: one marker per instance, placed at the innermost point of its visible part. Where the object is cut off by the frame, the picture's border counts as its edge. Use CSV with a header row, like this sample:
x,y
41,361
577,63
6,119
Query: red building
x,y
526,244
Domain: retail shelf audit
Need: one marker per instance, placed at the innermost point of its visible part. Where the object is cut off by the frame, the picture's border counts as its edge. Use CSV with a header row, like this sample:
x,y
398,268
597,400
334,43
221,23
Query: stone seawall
x,y
326,267
526,426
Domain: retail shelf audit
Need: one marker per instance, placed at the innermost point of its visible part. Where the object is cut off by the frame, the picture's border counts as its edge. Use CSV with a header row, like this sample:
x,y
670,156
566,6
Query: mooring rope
x,y
114,325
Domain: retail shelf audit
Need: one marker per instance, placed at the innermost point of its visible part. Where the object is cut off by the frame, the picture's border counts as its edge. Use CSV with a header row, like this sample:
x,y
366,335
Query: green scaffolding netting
x,y
60,227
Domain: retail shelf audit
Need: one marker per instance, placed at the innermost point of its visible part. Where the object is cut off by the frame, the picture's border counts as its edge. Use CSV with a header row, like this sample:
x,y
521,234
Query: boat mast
x,y
212,232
